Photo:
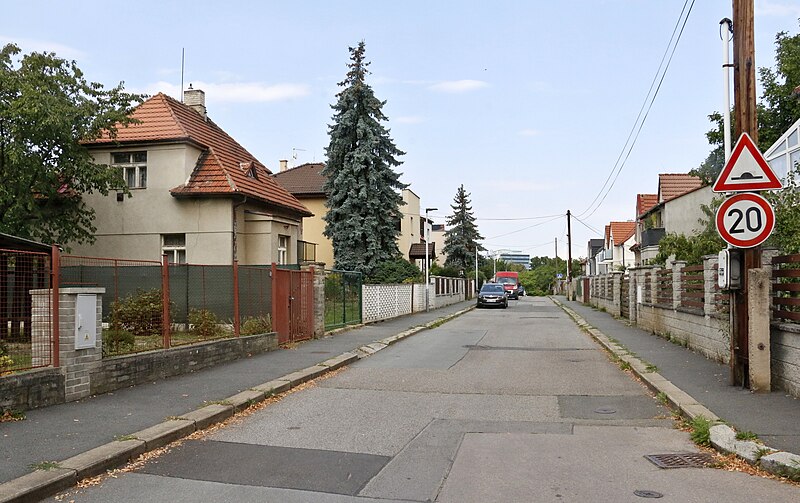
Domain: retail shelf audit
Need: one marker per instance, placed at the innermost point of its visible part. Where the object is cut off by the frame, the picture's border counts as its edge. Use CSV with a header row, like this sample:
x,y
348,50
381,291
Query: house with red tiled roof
x,y
617,254
196,194
676,208
307,183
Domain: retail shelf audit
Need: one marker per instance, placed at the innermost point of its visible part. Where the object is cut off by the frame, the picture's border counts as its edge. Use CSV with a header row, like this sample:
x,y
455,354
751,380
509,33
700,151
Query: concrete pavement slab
x,y
524,468
156,488
344,419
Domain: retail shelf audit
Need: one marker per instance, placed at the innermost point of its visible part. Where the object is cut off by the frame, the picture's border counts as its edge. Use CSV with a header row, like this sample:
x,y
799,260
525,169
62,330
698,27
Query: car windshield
x,y
492,289
508,281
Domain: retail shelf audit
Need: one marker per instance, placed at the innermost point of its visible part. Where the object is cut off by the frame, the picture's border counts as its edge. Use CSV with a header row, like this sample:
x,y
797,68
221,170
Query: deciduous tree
x,y
46,108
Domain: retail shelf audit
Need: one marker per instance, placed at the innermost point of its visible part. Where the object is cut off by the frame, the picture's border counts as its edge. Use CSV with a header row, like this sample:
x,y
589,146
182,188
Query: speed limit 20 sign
x,y
745,220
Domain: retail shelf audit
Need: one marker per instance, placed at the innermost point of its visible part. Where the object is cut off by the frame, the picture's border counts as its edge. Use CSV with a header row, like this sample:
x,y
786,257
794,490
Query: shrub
x,y
139,313
117,342
5,363
395,271
257,325
203,323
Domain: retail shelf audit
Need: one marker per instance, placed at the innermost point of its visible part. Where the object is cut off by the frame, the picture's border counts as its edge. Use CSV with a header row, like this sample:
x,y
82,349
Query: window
x,y
174,247
283,248
134,168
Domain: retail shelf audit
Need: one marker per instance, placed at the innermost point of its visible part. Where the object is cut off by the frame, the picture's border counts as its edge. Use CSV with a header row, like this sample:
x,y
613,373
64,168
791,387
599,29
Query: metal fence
x,y
343,298
152,305
25,324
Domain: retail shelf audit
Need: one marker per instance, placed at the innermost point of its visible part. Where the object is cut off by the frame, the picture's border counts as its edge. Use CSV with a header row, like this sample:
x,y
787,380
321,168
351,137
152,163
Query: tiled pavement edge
x,y
65,474
723,437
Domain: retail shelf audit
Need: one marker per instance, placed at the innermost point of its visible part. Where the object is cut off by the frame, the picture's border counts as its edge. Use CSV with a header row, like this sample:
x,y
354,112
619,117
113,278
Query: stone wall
x,y
785,351
31,389
128,370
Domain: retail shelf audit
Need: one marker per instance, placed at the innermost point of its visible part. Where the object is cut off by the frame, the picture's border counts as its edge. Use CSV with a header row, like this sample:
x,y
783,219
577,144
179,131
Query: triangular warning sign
x,y
746,170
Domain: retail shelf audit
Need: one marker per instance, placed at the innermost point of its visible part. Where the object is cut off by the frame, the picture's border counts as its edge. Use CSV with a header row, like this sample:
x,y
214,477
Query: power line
x,y
556,217
587,225
629,144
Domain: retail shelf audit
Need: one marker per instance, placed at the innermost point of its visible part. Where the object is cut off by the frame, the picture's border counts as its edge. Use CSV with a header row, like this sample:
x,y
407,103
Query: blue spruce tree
x,y
361,185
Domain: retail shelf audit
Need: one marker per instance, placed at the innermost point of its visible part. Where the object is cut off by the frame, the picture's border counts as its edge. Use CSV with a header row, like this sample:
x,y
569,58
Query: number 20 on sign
x,y
745,220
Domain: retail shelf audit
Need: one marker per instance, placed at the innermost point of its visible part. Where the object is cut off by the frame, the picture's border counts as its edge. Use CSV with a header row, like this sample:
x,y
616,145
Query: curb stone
x,y
40,484
723,437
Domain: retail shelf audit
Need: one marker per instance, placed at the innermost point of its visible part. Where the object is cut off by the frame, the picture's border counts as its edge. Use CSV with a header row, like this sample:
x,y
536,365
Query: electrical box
x,y
85,321
729,272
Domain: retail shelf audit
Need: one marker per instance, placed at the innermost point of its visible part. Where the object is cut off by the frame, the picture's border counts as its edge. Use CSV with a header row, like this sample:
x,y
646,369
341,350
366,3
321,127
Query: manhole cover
x,y
681,460
643,493
605,410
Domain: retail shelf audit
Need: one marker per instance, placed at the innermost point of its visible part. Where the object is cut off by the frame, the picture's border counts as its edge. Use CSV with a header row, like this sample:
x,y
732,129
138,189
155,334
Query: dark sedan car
x,y
492,295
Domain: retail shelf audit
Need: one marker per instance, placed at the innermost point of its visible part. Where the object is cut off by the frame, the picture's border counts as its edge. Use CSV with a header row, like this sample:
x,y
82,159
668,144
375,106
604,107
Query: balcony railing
x,y
651,237
306,252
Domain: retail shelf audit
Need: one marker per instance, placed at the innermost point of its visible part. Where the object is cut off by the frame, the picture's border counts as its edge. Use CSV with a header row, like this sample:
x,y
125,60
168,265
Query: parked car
x,y
521,291
492,295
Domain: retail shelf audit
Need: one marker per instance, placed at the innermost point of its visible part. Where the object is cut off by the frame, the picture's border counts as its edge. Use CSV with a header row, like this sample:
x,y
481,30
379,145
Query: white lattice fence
x,y
381,302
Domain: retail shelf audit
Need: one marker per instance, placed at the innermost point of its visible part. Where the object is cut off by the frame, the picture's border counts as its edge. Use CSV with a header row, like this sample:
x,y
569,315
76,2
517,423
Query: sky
x,y
527,104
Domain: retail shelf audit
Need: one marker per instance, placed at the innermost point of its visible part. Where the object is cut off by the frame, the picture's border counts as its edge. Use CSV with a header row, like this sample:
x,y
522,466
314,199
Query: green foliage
x,y
398,270
693,248
5,363
204,324
461,239
117,342
540,278
701,431
46,108
778,109
786,236
256,325
139,313
362,187
449,271
746,435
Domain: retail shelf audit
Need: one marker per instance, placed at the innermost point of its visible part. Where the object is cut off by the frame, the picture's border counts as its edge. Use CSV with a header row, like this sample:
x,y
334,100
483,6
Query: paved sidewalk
x,y
62,431
774,417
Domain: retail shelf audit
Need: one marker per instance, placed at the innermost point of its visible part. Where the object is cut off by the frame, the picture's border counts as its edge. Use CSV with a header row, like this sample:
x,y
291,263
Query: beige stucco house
x,y
675,209
197,195
617,253
307,183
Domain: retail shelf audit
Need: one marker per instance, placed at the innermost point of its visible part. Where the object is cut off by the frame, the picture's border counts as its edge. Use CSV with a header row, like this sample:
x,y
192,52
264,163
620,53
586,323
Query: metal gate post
x,y
236,320
55,265
165,321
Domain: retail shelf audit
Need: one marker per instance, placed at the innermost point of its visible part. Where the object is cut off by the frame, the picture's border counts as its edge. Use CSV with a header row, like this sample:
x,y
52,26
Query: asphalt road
x,y
496,405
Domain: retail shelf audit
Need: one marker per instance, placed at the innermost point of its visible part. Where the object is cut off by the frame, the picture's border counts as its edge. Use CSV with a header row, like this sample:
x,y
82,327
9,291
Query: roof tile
x,y
672,185
306,179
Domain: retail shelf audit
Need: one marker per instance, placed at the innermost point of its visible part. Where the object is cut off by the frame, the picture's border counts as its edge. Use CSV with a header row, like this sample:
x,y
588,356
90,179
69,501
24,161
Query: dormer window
x,y
134,168
251,173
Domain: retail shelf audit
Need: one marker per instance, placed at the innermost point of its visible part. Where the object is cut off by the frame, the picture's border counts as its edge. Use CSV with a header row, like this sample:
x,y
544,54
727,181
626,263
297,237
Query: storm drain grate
x,y
681,460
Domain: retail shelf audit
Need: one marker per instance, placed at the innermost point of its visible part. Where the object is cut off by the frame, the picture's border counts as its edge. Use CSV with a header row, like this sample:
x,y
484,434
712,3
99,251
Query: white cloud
x,y
529,132
459,86
33,45
235,92
410,119
771,8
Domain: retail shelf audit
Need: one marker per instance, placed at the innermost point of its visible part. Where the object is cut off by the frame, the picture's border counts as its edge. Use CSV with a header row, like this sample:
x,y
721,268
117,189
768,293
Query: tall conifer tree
x,y
362,187
462,238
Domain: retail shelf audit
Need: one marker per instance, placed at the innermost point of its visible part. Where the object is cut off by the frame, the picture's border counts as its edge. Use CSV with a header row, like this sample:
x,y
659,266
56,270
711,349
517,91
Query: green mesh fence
x,y
342,298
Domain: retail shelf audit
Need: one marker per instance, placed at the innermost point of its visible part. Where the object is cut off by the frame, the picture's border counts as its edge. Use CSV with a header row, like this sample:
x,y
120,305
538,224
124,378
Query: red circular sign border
x,y
750,196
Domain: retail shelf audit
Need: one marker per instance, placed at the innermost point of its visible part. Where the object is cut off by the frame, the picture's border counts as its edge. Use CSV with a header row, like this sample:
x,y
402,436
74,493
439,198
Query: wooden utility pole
x,y
744,99
569,256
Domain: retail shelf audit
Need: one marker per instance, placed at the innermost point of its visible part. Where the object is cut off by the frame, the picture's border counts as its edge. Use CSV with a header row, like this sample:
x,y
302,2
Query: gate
x,y
292,304
586,290
343,299
624,297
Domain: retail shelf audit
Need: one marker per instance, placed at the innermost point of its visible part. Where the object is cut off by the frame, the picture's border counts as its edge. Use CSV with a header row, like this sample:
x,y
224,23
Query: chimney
x,y
284,164
196,99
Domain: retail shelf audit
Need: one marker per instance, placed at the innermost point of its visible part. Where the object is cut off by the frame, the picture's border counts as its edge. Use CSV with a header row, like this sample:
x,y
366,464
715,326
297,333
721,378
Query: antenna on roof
x,y
183,52
294,153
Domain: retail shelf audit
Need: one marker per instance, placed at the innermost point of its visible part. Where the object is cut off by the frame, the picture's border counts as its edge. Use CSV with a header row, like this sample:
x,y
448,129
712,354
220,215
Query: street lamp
x,y
428,257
